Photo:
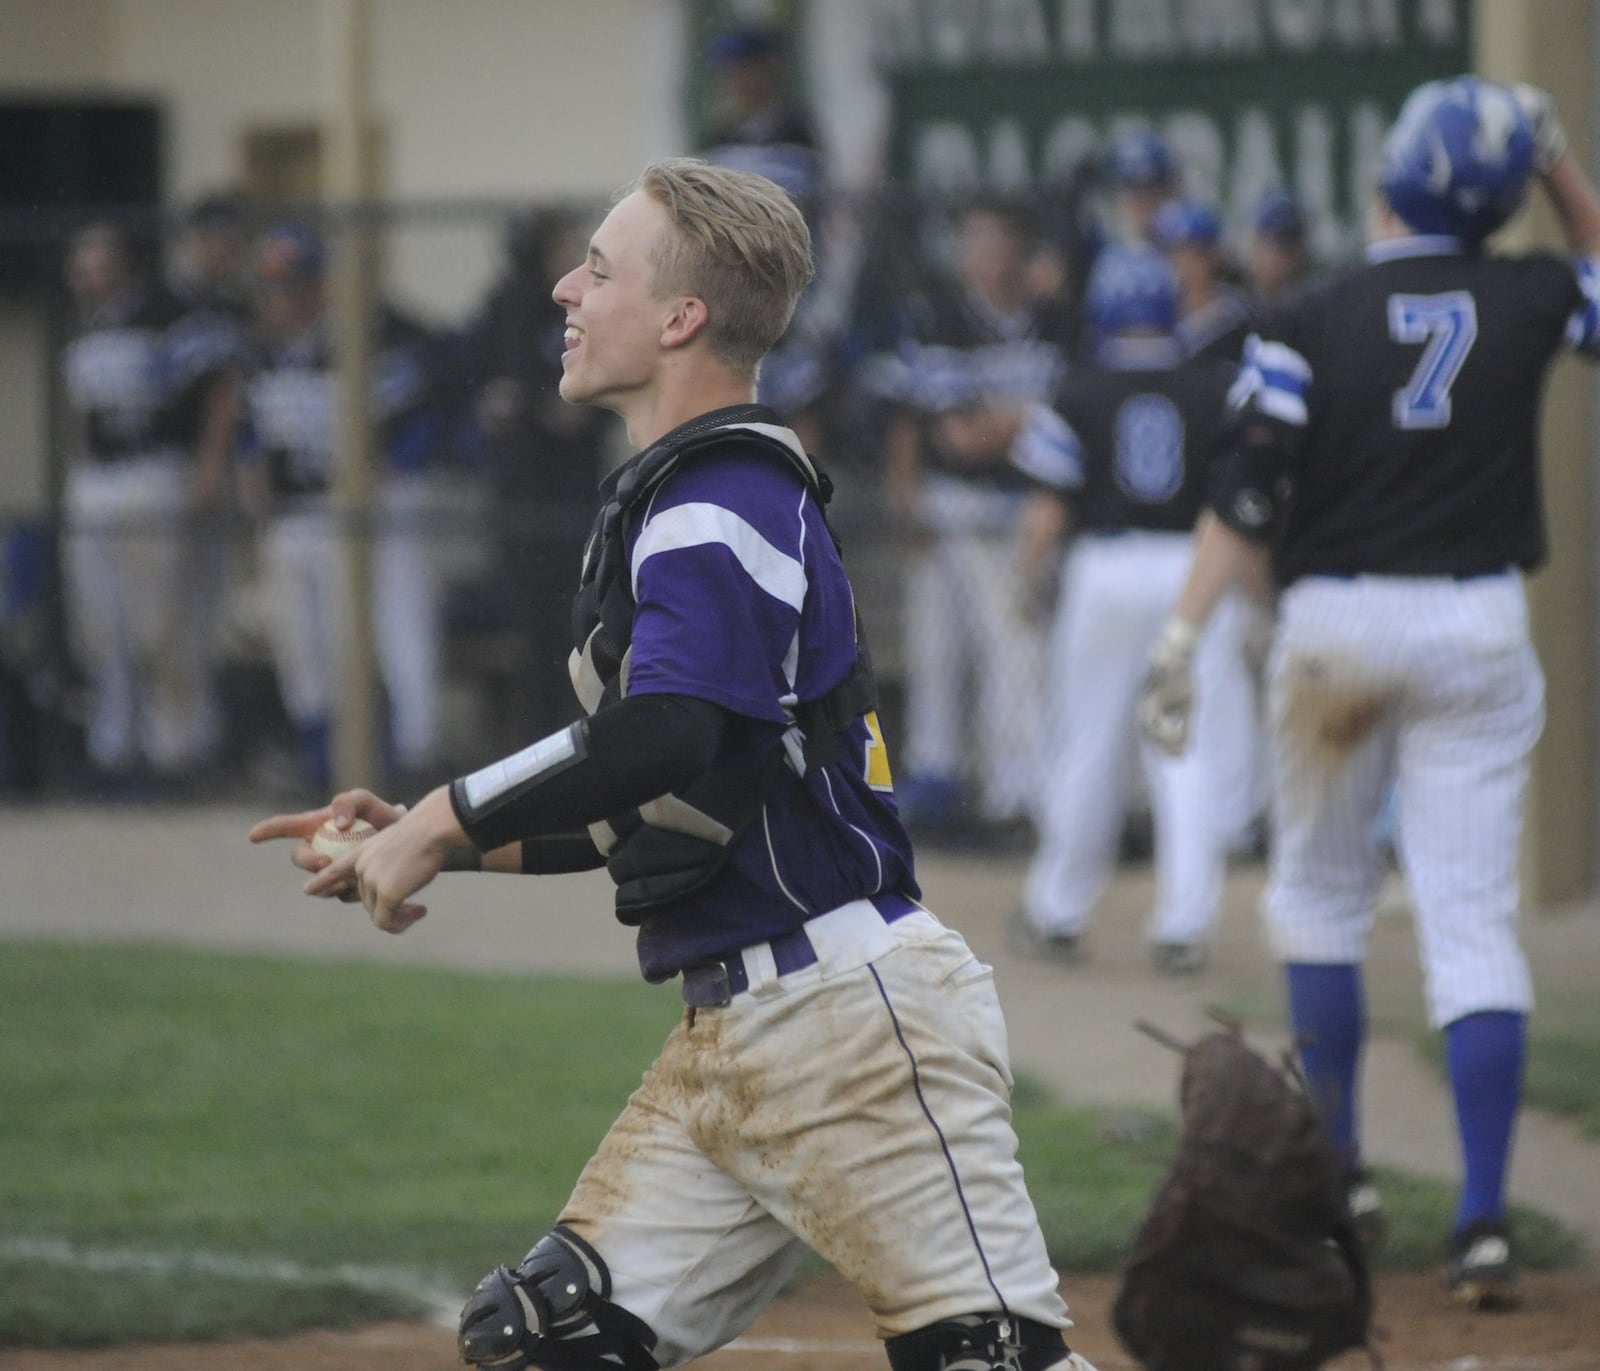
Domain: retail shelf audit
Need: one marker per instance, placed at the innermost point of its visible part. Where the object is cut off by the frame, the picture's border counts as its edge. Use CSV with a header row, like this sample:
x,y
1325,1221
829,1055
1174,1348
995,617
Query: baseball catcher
x,y
1248,1259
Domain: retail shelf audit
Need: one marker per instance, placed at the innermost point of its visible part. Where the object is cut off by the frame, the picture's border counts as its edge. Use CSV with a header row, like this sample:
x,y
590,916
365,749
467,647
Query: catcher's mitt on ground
x,y
1247,1260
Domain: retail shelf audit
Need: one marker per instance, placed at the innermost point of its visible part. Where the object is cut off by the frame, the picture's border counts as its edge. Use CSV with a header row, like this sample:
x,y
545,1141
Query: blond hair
x,y
739,243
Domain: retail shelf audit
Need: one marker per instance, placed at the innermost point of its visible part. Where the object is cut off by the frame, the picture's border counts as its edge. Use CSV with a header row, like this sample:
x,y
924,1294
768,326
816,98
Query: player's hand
x,y
1040,529
341,811
390,867
1166,703
1549,138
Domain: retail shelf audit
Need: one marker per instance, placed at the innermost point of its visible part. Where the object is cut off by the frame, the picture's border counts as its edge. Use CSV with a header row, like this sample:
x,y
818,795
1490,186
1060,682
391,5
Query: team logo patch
x,y
1149,437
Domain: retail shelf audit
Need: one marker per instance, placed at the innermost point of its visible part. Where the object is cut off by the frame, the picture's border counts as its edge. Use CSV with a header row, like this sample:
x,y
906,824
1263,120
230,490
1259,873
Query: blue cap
x,y
1280,215
1180,223
1141,160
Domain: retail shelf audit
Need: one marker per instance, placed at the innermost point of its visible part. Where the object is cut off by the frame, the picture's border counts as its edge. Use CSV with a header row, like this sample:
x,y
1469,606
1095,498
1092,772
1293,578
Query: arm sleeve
x,y
645,746
552,854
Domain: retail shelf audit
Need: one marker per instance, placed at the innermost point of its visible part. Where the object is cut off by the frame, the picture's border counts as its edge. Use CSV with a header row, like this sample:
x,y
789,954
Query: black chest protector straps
x,y
678,842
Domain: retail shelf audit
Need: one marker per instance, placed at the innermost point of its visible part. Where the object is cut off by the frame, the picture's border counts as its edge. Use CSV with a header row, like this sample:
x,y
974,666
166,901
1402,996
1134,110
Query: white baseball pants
x,y
1117,592
860,1106
126,535
306,614
1431,685
407,606
304,568
971,657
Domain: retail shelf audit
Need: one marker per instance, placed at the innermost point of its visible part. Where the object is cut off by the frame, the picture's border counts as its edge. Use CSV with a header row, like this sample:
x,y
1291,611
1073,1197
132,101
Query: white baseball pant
x,y
305,578
407,604
971,656
125,538
1117,591
860,1106
1432,685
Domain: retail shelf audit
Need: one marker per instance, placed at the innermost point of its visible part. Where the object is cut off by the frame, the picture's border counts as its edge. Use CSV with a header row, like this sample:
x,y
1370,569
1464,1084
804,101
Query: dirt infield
x,y
824,1325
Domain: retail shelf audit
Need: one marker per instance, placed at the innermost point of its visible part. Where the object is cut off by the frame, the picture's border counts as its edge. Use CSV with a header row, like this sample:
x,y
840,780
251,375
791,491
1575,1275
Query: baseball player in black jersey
x,y
1216,316
1121,458
151,381
1386,453
979,350
1278,255
287,451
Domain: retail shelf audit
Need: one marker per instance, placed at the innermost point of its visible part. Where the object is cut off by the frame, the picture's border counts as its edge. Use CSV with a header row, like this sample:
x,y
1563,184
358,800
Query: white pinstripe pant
x,y
1430,685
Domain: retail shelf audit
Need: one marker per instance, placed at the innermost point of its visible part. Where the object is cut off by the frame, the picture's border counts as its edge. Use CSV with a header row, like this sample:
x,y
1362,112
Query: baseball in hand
x,y
336,842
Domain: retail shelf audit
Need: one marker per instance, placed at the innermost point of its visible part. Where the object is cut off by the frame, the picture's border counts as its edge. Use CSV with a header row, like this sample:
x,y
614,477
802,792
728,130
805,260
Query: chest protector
x,y
675,844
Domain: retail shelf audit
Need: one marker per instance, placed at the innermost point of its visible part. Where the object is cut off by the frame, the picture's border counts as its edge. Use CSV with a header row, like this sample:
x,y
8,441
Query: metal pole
x,y
349,181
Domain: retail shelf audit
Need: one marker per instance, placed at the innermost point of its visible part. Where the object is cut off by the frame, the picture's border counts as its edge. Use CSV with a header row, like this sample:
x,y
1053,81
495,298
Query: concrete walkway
x,y
190,876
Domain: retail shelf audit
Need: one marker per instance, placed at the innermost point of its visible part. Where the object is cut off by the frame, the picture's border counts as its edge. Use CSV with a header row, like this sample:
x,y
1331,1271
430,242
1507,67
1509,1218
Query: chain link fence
x,y
171,621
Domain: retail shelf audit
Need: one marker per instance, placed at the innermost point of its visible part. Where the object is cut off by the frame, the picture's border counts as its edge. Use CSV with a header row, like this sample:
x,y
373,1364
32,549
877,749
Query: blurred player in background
x,y
210,274
766,129
1144,176
840,1078
1121,462
763,128
981,349
1214,316
1386,451
1279,254
150,381
288,452
212,267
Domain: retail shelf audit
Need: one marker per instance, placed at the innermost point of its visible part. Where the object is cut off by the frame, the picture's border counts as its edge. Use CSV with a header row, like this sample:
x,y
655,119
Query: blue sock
x,y
1485,1053
1328,1013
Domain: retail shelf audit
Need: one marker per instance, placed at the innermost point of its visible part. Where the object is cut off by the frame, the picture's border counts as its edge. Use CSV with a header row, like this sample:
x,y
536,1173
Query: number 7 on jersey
x,y
1448,325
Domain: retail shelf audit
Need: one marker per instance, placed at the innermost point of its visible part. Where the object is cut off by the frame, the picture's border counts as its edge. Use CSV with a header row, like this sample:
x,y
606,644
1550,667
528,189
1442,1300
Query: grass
x,y
178,1125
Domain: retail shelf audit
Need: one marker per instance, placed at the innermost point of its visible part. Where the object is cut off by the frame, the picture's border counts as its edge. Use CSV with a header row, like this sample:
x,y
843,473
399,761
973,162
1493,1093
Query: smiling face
x,y
615,317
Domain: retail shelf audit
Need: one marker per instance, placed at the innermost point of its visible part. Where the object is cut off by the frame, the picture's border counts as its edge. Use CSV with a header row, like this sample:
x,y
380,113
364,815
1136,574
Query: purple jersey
x,y
743,601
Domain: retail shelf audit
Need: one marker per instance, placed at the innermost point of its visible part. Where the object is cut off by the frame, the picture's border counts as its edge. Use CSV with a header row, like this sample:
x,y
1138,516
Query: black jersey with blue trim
x,y
961,353
1403,397
141,368
1129,439
290,406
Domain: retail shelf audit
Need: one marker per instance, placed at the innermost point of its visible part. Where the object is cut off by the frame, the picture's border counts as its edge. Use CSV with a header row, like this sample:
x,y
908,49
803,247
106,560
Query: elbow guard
x,y
1248,488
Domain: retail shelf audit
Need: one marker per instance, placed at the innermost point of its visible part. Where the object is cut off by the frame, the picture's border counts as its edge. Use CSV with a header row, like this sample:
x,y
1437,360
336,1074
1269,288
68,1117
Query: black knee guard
x,y
978,1342
553,1311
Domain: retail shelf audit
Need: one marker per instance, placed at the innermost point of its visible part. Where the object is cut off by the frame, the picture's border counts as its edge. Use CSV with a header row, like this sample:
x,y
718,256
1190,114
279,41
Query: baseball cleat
x,y
1029,940
1483,1273
1178,959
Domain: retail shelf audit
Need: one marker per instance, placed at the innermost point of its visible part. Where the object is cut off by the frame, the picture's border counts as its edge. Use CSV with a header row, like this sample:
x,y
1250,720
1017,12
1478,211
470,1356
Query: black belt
x,y
710,985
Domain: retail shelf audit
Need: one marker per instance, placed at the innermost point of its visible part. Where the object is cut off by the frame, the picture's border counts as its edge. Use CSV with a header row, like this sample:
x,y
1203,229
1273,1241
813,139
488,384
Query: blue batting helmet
x,y
1132,287
1458,158
1186,223
1141,160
